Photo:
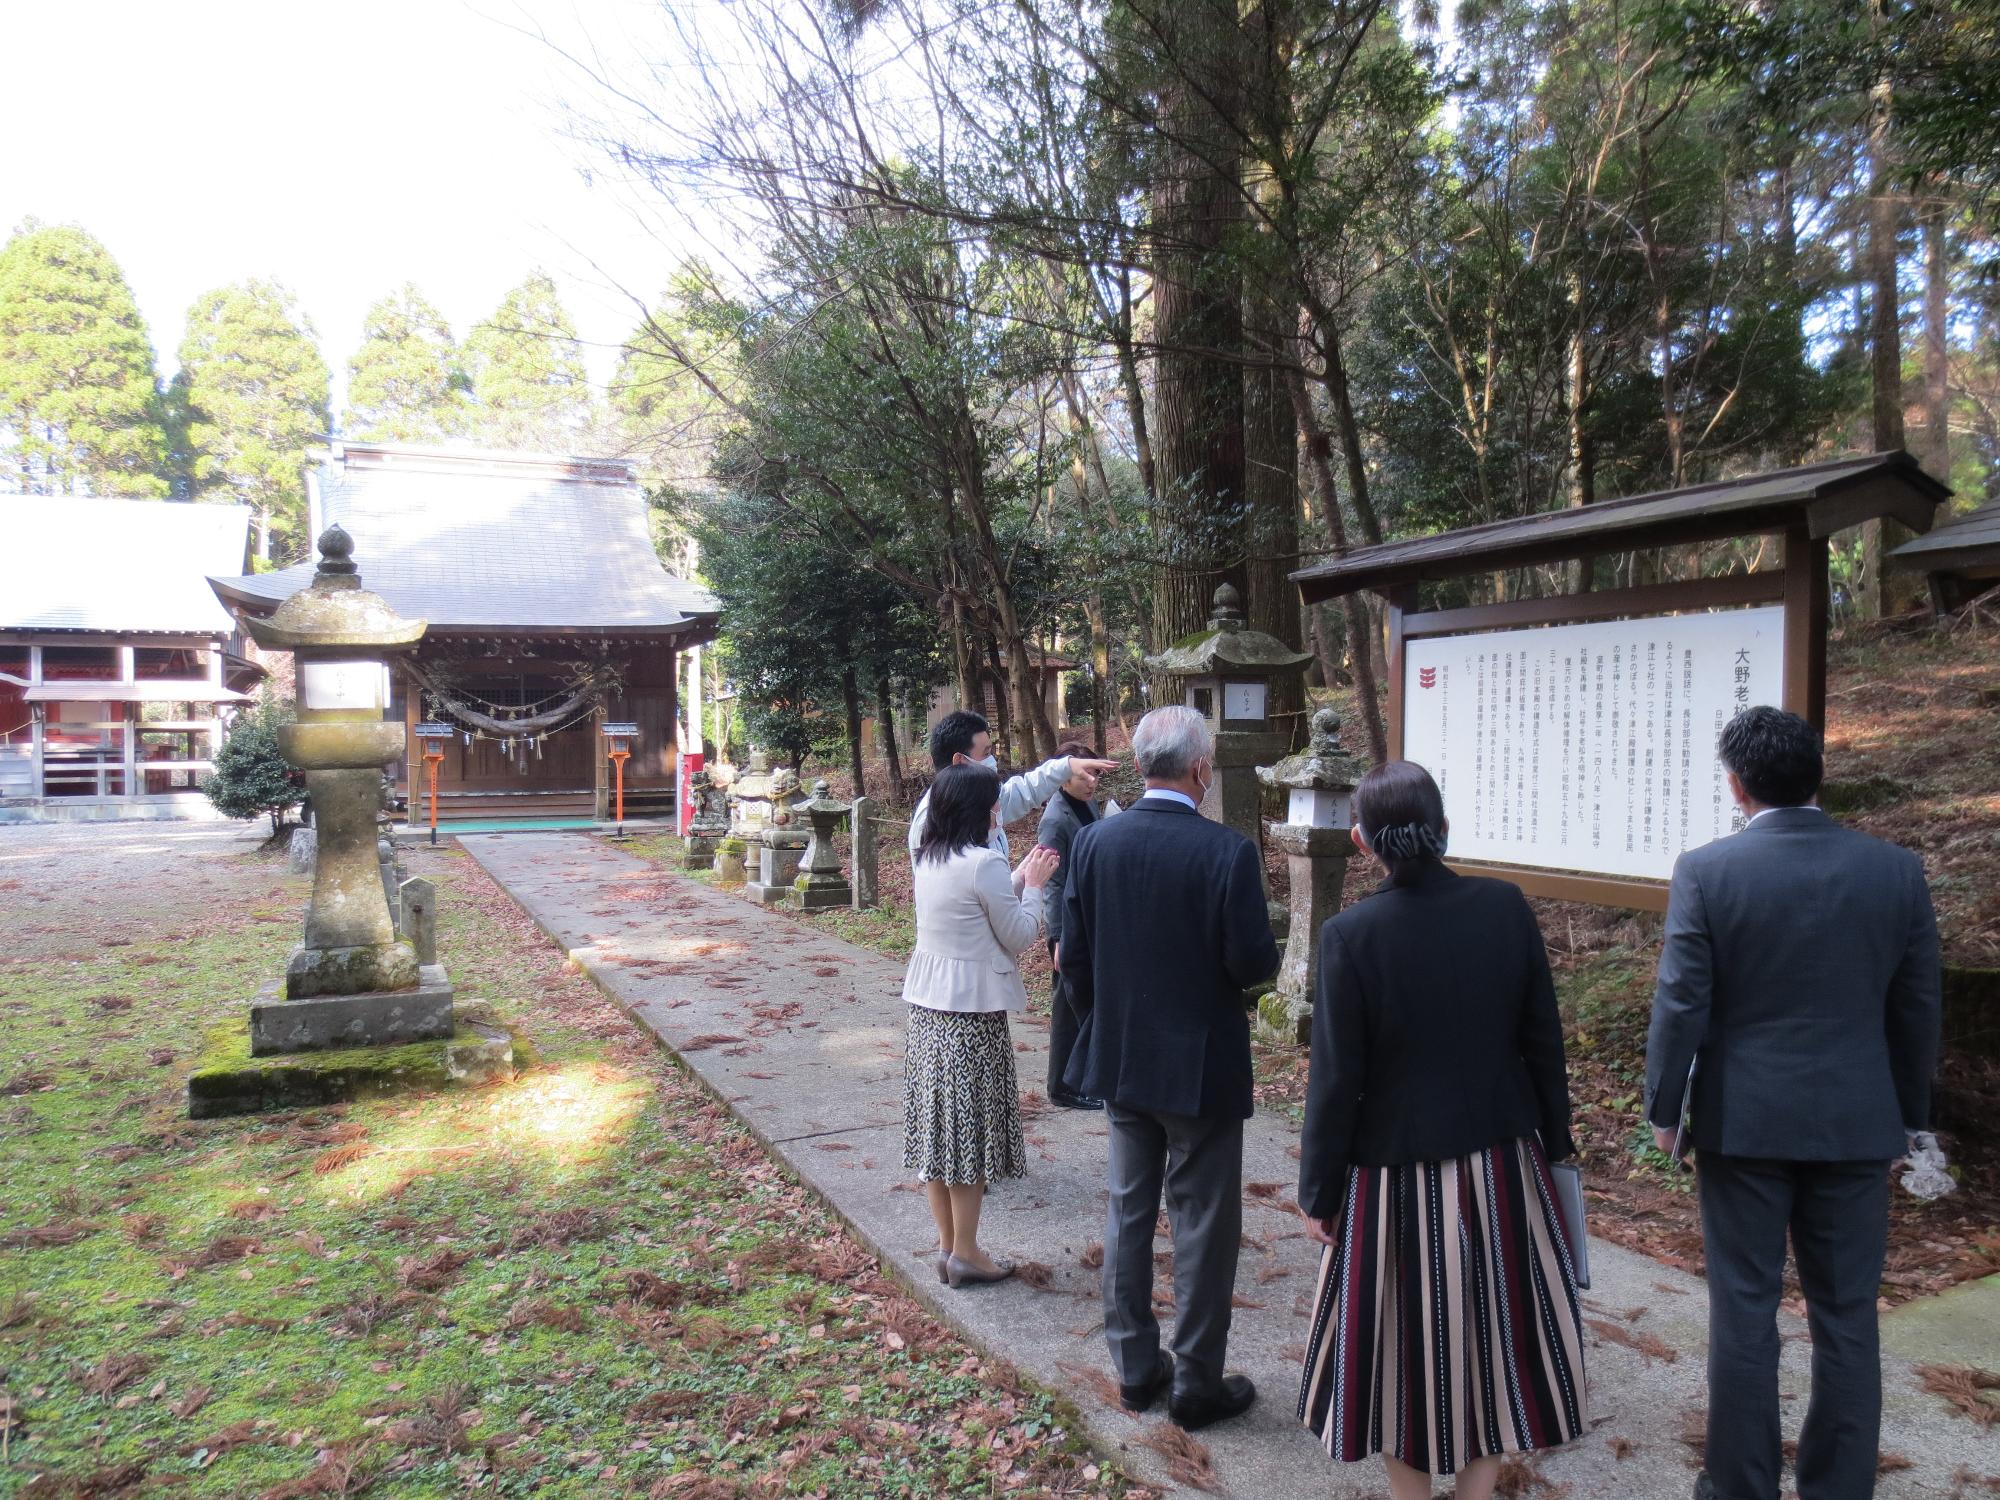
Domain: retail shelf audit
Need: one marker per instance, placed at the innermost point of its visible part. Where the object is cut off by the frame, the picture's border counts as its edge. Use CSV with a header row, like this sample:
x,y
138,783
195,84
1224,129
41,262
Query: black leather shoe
x,y
1136,1398
1191,1412
1075,1101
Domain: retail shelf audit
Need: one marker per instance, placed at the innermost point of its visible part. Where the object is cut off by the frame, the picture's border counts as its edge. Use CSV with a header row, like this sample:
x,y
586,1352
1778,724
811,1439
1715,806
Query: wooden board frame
x,y
1800,585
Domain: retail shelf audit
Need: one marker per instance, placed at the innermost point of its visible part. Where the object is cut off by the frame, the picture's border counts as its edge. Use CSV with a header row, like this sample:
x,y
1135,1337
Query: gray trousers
x,y
1198,1164
1838,1215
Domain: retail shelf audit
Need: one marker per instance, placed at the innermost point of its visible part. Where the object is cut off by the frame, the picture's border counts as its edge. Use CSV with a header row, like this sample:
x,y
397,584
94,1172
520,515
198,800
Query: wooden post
x,y
1402,600
1805,625
129,712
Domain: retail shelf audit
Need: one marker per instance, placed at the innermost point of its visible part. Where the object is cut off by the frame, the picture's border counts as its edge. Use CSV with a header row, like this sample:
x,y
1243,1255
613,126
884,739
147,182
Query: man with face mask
x,y
963,738
1164,928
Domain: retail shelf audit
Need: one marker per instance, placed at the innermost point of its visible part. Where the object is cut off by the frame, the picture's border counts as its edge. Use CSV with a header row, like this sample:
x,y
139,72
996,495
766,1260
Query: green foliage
x,y
404,384
527,373
255,392
664,396
801,612
250,776
80,408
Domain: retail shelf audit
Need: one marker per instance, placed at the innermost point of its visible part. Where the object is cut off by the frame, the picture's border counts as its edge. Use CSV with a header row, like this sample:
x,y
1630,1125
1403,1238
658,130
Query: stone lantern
x,y
820,883
1229,671
352,981
1314,837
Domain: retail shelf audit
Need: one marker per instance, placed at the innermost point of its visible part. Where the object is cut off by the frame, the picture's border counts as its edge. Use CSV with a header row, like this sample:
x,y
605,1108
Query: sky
x,y
340,147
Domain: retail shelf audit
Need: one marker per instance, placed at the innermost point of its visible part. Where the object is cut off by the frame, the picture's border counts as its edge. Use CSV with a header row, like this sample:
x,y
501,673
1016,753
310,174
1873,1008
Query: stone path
x,y
802,1034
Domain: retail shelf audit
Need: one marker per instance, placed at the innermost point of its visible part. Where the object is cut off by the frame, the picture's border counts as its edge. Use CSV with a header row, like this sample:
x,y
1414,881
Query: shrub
x,y
250,776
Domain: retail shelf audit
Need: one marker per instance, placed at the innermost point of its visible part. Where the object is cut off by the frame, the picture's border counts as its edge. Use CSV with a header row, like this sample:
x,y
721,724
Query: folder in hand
x,y
1568,1179
1682,1140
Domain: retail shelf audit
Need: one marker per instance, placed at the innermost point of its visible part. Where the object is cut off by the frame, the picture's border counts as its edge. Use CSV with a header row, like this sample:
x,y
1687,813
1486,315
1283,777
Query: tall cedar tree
x,y
80,409
405,384
256,392
527,372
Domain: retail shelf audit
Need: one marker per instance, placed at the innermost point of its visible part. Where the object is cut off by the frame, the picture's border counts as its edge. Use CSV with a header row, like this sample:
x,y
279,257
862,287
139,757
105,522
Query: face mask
x,y
1205,786
992,763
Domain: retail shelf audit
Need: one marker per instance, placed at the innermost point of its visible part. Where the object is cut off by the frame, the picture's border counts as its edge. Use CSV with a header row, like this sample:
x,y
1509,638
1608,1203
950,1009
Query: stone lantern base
x,y
372,1018
778,852
1317,860
812,892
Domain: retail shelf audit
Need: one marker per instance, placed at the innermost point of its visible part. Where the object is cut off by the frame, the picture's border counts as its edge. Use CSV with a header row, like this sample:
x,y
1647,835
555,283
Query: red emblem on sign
x,y
1427,677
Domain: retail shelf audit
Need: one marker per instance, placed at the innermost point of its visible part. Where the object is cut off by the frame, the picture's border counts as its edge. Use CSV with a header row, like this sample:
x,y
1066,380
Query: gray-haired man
x,y
1164,927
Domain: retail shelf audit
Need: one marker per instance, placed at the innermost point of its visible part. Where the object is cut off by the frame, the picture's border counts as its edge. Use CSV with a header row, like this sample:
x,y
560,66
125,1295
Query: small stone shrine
x,y
780,843
355,992
750,797
1314,837
821,884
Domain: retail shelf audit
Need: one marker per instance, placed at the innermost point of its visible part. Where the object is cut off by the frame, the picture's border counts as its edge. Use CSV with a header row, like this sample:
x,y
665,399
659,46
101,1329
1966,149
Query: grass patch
x,y
587,1282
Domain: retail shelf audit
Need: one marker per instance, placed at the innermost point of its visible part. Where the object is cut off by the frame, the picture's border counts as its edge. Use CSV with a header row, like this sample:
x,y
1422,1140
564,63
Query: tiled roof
x,y
467,539
77,562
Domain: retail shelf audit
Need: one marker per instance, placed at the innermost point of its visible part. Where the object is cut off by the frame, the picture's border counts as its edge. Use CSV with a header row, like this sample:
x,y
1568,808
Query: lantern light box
x,y
1311,807
343,686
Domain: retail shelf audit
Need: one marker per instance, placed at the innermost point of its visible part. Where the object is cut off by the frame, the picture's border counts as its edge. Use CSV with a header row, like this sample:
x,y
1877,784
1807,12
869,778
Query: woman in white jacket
x,y
961,1104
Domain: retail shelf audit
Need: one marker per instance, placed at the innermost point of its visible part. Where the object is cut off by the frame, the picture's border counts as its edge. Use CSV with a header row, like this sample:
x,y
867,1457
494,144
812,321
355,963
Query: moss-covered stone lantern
x,y
352,981
1228,670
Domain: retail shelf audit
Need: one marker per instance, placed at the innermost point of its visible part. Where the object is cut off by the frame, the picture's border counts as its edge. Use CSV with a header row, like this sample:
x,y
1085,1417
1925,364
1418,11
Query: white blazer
x,y
972,923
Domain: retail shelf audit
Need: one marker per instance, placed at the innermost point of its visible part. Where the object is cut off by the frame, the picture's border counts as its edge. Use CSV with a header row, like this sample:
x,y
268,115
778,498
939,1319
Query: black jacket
x,y
1801,961
1435,1032
1164,928
1061,822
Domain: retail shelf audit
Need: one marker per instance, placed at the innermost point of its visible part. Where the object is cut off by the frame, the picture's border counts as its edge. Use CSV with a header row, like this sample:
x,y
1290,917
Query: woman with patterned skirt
x,y
1447,1331
961,1103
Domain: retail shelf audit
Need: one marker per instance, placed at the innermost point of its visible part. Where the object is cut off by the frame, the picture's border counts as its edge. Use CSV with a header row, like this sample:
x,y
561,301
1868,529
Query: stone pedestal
x,y
698,853
729,856
1316,859
777,852
374,1018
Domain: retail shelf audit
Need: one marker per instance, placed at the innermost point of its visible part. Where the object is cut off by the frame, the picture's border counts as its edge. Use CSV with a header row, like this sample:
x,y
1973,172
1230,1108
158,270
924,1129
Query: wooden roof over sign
x,y
1824,498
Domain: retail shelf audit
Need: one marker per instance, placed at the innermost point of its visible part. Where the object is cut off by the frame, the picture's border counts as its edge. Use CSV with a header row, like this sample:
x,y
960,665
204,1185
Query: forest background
x,y
1021,328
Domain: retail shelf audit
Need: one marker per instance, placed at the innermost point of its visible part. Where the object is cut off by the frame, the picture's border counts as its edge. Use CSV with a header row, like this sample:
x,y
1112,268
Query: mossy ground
x,y
588,1282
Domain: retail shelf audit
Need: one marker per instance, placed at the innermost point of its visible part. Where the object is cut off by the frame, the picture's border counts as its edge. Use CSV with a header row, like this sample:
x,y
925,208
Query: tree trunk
x,y
1320,465
1197,316
1101,687
1582,454
1937,369
885,716
1271,495
850,699
1879,594
1003,712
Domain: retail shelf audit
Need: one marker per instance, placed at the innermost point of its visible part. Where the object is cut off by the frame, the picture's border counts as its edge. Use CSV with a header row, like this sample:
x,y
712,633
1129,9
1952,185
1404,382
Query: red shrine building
x,y
117,671
550,615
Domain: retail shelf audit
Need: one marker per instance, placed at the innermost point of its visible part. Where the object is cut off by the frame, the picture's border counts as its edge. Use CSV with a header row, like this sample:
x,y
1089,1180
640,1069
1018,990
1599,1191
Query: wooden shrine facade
x,y
549,613
1576,746
118,670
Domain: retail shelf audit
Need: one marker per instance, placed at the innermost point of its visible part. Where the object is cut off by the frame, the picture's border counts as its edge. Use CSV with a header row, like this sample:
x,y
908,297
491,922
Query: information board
x,y
1588,748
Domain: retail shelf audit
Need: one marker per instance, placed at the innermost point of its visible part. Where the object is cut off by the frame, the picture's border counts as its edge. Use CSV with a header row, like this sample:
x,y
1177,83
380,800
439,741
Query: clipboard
x,y
1682,1119
1568,1179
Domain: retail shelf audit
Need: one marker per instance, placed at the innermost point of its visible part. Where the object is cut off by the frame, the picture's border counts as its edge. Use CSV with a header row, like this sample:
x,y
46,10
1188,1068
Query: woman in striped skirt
x,y
1447,1331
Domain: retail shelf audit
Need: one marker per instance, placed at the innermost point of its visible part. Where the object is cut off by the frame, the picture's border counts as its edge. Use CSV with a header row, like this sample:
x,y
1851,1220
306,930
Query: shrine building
x,y
550,615
117,669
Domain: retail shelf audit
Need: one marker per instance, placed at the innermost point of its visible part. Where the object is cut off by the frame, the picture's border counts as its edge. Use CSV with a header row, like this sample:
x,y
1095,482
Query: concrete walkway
x,y
803,1036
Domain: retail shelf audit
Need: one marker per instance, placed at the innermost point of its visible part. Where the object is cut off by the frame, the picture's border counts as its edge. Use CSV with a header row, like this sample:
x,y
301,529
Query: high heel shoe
x,y
964,1273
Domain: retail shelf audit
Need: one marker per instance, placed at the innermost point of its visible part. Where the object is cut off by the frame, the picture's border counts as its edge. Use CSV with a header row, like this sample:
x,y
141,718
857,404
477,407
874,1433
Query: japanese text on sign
x,y
1588,748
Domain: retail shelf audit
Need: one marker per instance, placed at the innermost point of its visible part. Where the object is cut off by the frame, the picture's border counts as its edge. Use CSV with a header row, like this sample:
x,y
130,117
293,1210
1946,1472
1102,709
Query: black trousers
x,y
1062,1033
1838,1217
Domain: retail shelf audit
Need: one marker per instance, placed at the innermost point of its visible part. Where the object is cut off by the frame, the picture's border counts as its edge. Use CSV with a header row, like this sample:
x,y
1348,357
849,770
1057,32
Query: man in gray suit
x,y
1799,983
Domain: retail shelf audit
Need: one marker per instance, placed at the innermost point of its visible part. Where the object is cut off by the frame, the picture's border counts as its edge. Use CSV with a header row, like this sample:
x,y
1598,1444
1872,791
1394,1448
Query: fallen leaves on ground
x,y
1967,1388
1188,1460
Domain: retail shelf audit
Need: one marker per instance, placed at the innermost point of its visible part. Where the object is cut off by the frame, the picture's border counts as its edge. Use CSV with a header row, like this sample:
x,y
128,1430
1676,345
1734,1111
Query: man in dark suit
x,y
1799,981
1164,928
